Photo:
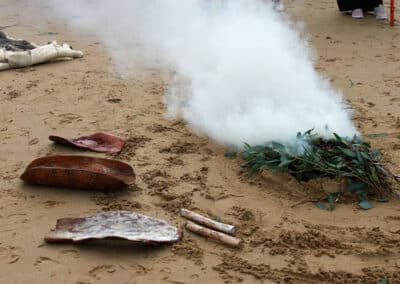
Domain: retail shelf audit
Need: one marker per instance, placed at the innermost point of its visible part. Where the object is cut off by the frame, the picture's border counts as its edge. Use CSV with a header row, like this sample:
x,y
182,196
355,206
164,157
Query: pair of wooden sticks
x,y
220,232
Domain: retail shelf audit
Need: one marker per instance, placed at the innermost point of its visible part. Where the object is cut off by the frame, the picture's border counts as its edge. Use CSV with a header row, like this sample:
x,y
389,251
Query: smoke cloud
x,y
242,72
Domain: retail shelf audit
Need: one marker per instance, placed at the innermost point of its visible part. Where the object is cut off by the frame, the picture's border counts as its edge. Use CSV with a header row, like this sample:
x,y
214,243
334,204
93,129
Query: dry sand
x,y
177,168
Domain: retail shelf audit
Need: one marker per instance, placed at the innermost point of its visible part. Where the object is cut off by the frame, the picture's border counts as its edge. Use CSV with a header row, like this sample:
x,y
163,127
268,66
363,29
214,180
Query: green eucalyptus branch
x,y
336,158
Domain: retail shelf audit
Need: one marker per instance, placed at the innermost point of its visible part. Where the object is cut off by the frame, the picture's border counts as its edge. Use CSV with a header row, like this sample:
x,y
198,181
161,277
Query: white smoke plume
x,y
243,73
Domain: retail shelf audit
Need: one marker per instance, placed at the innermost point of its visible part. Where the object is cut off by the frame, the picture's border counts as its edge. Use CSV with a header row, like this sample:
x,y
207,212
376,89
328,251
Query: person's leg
x,y
379,10
278,5
357,12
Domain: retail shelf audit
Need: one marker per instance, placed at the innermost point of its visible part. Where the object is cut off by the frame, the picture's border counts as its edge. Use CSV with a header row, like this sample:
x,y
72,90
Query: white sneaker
x,y
357,14
380,13
277,5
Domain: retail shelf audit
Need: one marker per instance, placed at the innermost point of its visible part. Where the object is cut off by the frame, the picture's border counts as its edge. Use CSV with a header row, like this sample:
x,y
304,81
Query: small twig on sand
x,y
302,202
5,27
229,229
223,238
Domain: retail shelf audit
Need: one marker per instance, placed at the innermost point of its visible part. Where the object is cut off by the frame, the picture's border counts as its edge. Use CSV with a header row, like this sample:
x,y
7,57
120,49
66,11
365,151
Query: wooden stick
x,y
205,232
225,228
392,13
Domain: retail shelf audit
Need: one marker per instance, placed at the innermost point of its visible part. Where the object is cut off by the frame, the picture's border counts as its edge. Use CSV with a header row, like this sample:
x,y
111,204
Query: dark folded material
x,y
366,5
14,44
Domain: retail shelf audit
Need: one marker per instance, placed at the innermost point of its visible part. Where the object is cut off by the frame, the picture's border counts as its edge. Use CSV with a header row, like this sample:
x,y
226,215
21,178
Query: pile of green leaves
x,y
349,159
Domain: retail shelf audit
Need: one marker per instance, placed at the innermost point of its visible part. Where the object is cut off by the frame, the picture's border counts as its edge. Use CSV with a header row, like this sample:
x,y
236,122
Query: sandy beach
x,y
176,168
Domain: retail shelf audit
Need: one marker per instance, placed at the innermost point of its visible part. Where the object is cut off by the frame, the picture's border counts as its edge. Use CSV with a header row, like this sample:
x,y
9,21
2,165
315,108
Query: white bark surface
x,y
41,54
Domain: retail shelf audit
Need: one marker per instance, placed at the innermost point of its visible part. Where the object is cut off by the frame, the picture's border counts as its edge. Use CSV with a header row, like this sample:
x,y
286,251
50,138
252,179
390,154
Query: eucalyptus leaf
x,y
382,200
348,152
332,198
374,176
231,155
375,135
278,147
365,204
356,186
320,205
284,163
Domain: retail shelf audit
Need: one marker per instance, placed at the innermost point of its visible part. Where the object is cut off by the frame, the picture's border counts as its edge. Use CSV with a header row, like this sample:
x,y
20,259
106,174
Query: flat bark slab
x,y
98,142
117,225
79,172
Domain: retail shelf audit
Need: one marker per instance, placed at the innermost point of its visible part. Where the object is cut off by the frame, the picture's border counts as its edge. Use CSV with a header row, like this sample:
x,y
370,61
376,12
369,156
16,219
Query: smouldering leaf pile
x,y
350,159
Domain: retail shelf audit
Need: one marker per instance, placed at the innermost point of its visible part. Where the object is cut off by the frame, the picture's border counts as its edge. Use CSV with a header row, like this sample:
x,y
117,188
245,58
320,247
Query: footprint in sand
x,y
67,118
72,253
140,269
11,95
102,271
52,203
9,254
44,261
174,161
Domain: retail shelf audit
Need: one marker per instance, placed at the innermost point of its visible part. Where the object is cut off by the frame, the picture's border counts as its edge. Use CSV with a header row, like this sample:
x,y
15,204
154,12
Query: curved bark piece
x,y
98,142
120,225
79,172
